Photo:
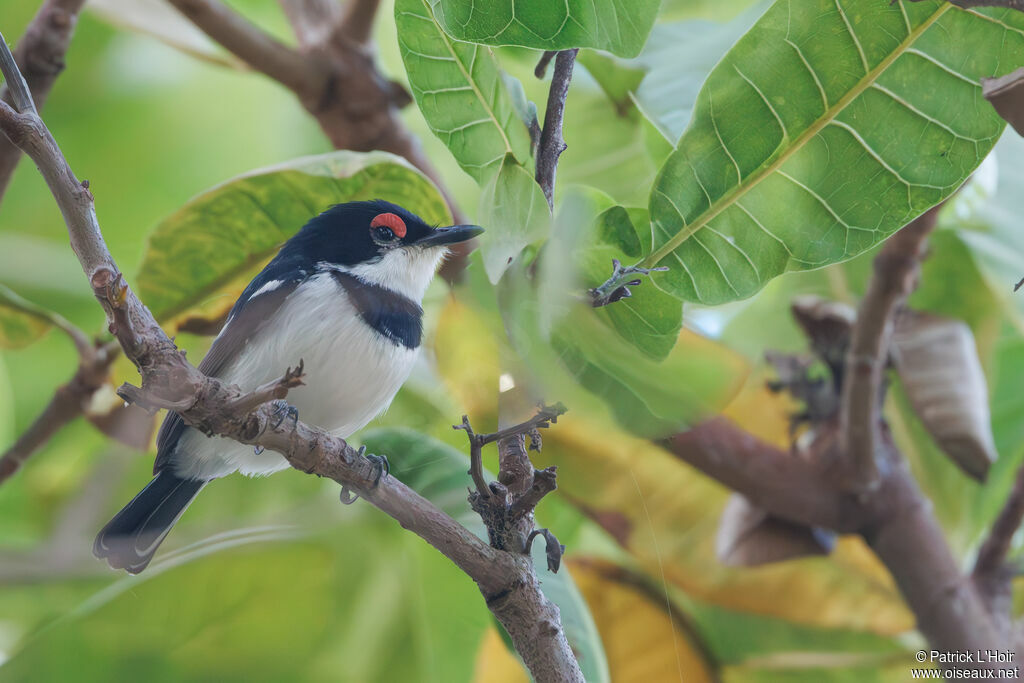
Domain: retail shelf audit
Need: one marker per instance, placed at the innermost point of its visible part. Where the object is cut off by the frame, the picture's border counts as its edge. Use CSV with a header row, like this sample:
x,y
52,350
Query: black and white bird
x,y
343,295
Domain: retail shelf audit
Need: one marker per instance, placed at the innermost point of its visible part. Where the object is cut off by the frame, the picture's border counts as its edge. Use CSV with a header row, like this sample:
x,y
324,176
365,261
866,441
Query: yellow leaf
x,y
666,515
494,662
468,359
763,413
642,641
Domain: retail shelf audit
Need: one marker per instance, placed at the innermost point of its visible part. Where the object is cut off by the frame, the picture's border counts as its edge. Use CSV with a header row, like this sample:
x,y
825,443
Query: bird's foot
x,y
382,468
282,411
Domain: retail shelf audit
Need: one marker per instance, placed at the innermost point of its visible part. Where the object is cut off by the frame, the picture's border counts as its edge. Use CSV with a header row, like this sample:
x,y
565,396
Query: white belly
x,y
352,374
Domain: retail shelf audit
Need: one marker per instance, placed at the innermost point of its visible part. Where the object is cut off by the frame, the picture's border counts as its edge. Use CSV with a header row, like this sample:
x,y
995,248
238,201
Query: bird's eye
x,y
386,228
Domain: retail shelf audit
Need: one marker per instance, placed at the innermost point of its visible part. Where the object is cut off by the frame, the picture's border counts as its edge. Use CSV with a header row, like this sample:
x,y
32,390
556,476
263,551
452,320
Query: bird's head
x,y
379,242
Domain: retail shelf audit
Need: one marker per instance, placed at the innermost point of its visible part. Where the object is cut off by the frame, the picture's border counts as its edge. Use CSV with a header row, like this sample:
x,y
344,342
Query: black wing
x,y
248,316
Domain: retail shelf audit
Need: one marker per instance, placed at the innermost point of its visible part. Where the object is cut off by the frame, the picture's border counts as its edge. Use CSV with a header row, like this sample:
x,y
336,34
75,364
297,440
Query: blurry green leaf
x,y
617,26
21,321
697,379
616,79
158,19
459,90
879,117
516,214
203,255
678,58
438,472
650,319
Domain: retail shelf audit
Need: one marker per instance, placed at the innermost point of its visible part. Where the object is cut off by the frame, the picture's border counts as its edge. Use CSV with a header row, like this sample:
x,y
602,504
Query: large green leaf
x,y
438,472
827,127
459,90
198,256
618,26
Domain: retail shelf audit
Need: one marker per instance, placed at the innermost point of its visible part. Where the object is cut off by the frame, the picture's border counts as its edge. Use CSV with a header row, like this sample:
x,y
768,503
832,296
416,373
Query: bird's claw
x,y
380,465
283,410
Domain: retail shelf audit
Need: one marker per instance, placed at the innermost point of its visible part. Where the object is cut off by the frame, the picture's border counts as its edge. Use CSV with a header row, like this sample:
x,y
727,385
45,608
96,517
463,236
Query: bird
x,y
344,295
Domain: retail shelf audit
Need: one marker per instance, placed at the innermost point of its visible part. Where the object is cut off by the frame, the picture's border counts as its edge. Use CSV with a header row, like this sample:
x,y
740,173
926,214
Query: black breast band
x,y
396,317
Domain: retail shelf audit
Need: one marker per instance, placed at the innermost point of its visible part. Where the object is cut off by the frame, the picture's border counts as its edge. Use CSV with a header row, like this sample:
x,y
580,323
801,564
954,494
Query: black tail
x,y
129,540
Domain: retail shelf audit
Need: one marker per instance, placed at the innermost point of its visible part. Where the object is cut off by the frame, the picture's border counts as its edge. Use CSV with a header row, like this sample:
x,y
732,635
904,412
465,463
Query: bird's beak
x,y
450,235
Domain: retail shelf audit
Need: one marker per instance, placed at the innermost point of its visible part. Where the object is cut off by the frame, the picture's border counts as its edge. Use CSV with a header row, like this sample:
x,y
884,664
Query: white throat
x,y
405,270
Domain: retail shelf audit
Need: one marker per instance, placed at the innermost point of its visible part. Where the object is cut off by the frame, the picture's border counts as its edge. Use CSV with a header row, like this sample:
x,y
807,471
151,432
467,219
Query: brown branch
x,y
357,22
895,275
40,54
992,574
1006,94
506,579
551,142
895,520
254,46
68,403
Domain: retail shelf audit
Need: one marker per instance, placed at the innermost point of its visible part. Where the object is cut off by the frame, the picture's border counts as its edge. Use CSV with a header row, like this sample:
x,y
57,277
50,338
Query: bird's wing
x,y
251,312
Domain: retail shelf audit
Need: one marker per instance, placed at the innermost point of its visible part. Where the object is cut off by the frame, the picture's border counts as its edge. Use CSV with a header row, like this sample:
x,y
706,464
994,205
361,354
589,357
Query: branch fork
x,y
506,506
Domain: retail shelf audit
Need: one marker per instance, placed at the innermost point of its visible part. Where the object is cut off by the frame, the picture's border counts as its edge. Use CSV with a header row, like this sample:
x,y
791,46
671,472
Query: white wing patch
x,y
269,287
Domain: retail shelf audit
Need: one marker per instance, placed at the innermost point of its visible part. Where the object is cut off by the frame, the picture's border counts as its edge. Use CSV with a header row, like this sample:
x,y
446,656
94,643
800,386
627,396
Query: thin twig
x,y
541,70
551,142
895,275
507,581
40,53
992,554
476,466
68,403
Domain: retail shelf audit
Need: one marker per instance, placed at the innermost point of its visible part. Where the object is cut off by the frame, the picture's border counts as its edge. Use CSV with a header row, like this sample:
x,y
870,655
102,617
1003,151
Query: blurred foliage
x,y
267,579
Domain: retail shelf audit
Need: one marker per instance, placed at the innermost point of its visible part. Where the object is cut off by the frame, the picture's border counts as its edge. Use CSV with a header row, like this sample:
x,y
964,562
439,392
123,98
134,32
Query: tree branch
x,y
551,142
357,21
40,54
1006,94
992,575
254,46
506,579
68,403
895,275
895,519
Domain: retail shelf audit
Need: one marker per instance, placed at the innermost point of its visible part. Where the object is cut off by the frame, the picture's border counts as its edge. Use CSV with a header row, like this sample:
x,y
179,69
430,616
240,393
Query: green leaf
x,y
438,472
459,89
617,80
617,26
678,58
203,255
650,398
826,128
516,214
23,322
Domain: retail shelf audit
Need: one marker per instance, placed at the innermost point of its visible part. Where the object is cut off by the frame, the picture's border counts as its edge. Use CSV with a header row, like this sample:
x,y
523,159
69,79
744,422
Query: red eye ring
x,y
389,220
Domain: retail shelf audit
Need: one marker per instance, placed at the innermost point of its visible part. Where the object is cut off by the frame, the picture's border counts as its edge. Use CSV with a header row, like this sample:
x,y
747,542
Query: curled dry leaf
x,y
938,364
129,424
828,325
748,536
